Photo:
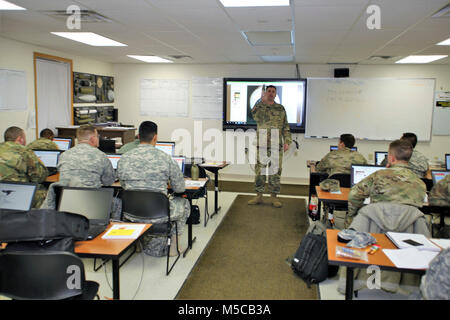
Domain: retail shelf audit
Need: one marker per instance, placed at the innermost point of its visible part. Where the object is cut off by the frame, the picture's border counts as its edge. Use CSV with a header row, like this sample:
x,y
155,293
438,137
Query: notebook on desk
x,y
438,175
94,204
49,158
404,240
16,195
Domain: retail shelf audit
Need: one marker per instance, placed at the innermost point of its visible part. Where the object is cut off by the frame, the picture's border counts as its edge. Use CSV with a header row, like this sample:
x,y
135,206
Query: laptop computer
x,y
438,175
63,143
180,160
114,158
447,161
166,146
17,195
49,158
334,148
379,157
360,171
94,204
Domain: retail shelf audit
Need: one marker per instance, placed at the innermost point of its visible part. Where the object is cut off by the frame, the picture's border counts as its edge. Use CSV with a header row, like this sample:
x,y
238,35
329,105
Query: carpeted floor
x,y
245,259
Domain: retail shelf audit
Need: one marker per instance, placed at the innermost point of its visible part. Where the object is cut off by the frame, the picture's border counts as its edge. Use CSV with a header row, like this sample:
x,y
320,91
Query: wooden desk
x,y
378,258
214,168
107,249
329,197
126,134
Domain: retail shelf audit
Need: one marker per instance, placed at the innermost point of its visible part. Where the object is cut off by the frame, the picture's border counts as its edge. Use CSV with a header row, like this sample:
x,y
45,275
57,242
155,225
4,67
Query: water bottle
x,y
194,171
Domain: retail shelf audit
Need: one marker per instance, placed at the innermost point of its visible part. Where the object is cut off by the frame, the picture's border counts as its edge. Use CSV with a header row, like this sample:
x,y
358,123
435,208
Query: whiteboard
x,y
374,109
13,90
164,98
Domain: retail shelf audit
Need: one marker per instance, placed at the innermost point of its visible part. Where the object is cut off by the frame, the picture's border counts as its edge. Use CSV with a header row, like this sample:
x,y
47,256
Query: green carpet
x,y
245,259
249,187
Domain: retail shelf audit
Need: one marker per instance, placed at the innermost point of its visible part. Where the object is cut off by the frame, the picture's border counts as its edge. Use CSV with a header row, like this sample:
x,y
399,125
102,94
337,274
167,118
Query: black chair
x,y
428,183
203,192
107,145
144,206
50,275
343,178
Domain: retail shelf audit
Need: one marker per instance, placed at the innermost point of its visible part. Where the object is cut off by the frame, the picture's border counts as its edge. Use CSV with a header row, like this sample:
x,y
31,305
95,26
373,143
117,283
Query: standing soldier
x,y
17,163
44,142
273,138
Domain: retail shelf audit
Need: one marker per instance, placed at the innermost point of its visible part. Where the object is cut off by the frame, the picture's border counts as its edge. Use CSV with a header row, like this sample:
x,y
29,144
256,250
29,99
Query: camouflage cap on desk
x,y
357,239
331,185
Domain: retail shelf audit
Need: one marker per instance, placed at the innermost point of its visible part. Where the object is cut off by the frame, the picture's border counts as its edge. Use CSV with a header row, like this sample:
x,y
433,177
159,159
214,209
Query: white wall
x,y
16,55
128,76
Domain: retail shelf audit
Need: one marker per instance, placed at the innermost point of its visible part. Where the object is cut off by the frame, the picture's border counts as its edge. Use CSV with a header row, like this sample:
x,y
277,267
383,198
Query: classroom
x,y
199,45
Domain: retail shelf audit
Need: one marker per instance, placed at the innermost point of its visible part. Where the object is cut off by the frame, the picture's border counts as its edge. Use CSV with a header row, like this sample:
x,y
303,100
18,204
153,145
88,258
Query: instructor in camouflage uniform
x,y
147,168
341,160
273,139
396,184
17,163
44,142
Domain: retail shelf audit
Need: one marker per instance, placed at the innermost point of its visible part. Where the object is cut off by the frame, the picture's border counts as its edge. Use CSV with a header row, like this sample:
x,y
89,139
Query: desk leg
x,y
216,193
190,239
349,284
116,279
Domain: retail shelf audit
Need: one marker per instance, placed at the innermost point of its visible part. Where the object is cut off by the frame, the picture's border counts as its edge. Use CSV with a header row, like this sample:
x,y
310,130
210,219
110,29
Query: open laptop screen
x,y
63,143
447,161
438,175
94,204
359,172
379,157
334,148
114,158
166,146
16,195
181,162
49,158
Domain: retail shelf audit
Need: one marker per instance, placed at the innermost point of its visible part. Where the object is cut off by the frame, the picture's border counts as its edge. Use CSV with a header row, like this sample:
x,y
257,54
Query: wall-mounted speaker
x,y
341,73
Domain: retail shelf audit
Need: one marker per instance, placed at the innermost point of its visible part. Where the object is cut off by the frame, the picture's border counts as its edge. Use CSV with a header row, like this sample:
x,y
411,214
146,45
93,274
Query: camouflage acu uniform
x,y
396,184
82,166
17,163
129,146
340,161
43,144
440,193
147,168
271,120
418,164
435,284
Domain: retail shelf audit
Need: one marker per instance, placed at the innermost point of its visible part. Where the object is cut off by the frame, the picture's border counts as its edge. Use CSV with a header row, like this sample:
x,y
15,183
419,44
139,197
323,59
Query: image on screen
x,y
241,94
379,157
114,158
48,157
16,196
167,147
63,143
438,175
447,161
180,161
359,172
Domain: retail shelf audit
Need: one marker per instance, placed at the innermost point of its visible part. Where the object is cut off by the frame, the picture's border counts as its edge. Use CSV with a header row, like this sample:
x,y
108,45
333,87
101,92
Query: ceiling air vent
x,y
86,16
383,58
443,13
180,57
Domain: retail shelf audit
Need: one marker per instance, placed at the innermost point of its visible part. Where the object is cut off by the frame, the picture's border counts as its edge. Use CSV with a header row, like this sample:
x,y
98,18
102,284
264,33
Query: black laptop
x,y
94,204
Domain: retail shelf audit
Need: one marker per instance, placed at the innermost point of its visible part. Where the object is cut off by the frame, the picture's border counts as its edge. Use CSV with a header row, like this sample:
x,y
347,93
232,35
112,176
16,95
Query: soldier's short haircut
x,y
271,86
147,130
401,149
47,133
348,140
12,133
84,132
411,137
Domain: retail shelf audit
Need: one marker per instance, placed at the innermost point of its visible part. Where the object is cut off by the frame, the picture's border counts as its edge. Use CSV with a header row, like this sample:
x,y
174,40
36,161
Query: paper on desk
x,y
124,231
336,192
443,243
194,183
410,258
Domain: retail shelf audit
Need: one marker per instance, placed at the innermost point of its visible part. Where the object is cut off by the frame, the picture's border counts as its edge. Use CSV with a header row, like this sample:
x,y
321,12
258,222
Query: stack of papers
x,y
124,231
412,240
194,183
411,258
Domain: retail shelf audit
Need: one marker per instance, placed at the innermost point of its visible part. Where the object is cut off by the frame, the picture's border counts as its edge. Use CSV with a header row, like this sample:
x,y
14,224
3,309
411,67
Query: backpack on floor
x,y
194,217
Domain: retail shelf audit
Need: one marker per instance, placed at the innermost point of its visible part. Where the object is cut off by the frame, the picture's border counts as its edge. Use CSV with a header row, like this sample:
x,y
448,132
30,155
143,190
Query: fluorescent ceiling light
x,y
255,3
90,38
150,59
277,58
444,43
421,59
5,5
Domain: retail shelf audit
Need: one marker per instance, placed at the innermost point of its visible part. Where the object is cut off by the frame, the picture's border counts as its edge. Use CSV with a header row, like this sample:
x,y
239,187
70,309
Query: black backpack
x,y
194,217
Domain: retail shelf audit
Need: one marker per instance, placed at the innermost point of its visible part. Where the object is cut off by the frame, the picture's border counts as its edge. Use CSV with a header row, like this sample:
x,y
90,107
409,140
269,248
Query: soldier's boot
x,y
256,200
275,201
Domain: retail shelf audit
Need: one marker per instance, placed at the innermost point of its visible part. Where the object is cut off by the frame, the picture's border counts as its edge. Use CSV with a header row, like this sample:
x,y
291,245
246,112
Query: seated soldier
x,y
440,193
44,142
130,145
397,183
341,160
18,163
147,168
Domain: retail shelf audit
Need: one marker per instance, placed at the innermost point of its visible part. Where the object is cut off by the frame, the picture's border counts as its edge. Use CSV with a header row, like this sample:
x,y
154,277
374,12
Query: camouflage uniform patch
x,y
129,146
17,163
147,168
340,161
396,184
440,193
43,144
418,164
435,284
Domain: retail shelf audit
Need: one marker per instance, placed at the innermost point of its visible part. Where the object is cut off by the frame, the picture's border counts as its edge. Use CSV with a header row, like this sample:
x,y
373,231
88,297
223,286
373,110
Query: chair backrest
x,y
344,179
145,204
40,275
428,183
107,145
